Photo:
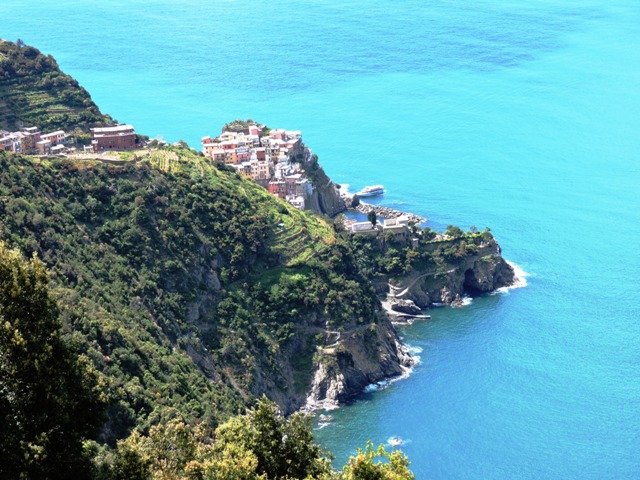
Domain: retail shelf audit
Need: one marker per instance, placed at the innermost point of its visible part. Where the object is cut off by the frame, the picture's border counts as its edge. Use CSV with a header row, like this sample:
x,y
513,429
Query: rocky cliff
x,y
322,367
482,271
325,198
359,357
364,355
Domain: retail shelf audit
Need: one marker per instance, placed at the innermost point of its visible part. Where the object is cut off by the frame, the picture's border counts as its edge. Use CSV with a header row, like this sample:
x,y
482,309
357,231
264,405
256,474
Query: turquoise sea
x,y
521,115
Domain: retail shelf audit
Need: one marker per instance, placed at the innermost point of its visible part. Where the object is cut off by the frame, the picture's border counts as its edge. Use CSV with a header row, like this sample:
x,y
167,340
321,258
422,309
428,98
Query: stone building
x,y
120,137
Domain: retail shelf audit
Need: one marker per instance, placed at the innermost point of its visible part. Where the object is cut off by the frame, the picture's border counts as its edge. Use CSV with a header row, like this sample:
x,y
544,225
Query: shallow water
x,y
522,116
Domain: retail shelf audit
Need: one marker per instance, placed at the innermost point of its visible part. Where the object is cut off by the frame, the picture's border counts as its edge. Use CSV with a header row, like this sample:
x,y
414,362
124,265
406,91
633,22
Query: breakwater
x,y
387,212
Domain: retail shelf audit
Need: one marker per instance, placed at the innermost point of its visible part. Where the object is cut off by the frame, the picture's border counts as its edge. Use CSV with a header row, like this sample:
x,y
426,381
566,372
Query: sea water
x,y
523,116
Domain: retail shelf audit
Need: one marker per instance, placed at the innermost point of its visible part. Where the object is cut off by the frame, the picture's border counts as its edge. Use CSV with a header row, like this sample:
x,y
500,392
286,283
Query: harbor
x,y
388,212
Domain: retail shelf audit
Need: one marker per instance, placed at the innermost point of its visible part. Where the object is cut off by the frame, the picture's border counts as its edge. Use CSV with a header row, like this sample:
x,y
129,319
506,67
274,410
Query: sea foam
x,y
520,279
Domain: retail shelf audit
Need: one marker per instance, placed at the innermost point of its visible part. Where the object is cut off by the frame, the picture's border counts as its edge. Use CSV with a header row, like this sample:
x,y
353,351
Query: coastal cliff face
x,y
322,367
325,198
480,272
359,357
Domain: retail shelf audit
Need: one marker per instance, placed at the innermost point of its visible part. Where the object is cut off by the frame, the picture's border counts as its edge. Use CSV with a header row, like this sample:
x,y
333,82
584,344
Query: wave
x,y
312,405
373,387
521,276
417,359
520,281
465,301
406,372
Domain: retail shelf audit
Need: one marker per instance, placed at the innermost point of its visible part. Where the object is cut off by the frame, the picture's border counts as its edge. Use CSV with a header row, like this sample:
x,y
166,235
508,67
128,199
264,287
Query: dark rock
x,y
405,306
326,198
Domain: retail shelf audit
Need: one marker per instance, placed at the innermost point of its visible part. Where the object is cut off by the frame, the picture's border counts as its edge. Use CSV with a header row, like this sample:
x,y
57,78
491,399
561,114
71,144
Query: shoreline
x,y
315,408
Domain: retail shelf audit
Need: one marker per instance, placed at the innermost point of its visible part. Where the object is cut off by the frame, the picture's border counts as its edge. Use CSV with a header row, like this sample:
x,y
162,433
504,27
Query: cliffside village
x,y
272,158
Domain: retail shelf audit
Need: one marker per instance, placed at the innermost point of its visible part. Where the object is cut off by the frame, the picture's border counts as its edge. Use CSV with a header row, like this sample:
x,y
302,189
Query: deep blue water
x,y
519,115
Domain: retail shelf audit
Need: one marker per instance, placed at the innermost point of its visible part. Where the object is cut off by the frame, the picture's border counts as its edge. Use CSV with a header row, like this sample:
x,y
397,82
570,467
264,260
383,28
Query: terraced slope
x,y
35,92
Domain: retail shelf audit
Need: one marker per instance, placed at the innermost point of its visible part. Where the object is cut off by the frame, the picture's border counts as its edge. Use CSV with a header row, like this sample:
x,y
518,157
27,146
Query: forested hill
x,y
191,289
34,91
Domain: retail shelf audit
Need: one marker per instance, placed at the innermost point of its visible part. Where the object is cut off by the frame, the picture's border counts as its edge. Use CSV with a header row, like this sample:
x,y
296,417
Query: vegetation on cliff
x,y
34,91
190,290
182,293
188,287
180,285
390,257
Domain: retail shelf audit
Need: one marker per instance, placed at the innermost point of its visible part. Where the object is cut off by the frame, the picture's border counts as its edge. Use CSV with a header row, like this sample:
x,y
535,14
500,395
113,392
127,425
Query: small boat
x,y
326,418
371,191
395,441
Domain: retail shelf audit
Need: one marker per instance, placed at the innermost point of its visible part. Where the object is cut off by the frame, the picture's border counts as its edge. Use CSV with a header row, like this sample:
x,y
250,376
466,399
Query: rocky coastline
x,y
353,201
345,372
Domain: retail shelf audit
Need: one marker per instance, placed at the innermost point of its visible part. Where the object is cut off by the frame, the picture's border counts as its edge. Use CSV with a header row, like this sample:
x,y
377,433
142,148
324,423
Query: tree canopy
x,y
377,464
49,398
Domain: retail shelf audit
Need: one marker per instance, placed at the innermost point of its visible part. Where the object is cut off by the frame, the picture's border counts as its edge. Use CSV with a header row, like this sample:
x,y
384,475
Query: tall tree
x,y
49,401
284,447
372,217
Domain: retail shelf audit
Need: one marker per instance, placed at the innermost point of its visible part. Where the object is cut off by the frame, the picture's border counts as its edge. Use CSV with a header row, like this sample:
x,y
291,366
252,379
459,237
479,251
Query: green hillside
x,y
34,91
189,288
